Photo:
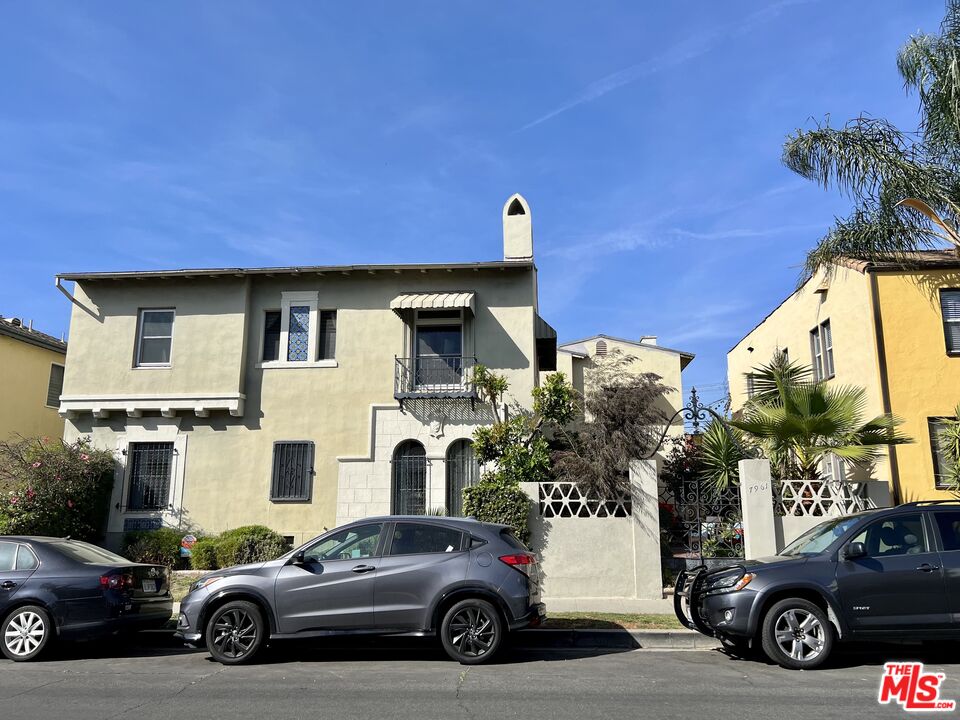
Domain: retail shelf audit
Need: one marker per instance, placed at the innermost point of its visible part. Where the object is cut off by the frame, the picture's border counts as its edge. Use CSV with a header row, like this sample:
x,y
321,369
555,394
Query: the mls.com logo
x,y
908,685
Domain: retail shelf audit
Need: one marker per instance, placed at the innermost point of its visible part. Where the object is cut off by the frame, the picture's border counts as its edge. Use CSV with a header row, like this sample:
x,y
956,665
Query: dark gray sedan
x,y
466,581
58,588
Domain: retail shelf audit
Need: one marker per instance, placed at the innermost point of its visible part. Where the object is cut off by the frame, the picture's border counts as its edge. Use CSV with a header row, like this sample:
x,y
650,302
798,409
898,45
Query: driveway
x,y
154,678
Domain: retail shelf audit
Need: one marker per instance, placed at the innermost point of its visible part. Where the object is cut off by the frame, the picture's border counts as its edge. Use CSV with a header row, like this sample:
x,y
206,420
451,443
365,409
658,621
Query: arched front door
x,y
409,479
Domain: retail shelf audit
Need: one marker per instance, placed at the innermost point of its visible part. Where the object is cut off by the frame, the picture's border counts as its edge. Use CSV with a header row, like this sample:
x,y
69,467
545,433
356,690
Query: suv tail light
x,y
119,581
520,561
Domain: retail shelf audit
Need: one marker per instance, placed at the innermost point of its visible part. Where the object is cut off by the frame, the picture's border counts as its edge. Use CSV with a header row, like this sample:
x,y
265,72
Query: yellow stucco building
x,y
31,368
894,332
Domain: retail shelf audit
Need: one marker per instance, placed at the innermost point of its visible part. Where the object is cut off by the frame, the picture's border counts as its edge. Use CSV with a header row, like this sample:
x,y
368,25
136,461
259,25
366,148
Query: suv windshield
x,y
817,539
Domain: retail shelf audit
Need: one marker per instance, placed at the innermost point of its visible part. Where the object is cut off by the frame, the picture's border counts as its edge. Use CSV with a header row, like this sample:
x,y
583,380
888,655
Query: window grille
x,y
151,468
292,472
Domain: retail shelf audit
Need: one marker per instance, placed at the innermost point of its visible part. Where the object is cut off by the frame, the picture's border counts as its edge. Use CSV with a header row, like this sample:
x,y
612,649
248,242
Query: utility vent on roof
x,y
601,347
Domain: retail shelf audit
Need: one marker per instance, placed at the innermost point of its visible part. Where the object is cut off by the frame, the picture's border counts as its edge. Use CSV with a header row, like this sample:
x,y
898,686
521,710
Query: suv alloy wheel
x,y
471,631
26,632
235,632
797,634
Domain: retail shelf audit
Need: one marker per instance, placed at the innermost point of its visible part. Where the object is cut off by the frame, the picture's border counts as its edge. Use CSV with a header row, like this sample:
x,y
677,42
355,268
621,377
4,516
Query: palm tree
x,y
797,421
949,441
905,186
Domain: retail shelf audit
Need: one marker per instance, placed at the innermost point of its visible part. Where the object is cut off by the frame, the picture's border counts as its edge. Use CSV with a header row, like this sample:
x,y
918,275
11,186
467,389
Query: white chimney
x,y
517,230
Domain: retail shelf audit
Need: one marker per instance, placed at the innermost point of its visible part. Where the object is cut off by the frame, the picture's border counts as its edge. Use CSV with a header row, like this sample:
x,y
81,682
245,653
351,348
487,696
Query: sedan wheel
x,y
471,631
26,632
235,632
797,634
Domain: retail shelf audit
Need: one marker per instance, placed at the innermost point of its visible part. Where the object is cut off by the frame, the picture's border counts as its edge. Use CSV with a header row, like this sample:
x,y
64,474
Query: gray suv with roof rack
x,y
876,575
468,582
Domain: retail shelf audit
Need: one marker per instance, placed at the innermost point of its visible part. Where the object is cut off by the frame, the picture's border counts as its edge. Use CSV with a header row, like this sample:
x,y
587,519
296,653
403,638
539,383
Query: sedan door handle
x,y
8,585
363,569
927,567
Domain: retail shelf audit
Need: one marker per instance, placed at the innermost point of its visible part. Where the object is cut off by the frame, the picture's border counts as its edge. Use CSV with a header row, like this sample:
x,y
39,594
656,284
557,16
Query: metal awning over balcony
x,y
433,301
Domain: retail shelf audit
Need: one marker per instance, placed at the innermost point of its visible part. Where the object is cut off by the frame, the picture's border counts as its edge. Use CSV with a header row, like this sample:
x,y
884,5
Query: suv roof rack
x,y
917,503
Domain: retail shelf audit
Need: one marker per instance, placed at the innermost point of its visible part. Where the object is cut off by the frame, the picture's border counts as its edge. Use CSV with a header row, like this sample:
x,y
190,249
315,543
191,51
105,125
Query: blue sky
x,y
646,137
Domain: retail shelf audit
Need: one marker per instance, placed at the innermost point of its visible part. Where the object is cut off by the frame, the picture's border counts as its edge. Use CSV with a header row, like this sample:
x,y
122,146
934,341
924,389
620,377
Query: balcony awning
x,y
433,301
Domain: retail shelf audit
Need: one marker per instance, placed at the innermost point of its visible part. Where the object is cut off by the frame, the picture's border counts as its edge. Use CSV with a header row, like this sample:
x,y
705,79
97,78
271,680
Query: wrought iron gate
x,y
699,524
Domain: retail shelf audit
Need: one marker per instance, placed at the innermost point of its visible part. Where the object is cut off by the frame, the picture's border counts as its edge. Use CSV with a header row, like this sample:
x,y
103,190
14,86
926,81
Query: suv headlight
x,y
728,581
204,582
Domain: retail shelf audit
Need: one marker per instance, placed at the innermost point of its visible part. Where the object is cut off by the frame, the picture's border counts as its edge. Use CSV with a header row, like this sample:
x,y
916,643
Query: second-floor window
x,y
950,309
821,351
55,385
155,338
299,334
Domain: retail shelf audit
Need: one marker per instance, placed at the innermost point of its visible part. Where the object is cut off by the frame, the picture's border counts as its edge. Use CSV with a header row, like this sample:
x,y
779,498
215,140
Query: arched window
x,y
516,208
409,479
463,470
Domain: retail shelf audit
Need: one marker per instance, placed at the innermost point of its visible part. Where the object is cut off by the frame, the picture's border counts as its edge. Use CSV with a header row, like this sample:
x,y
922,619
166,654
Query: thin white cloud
x,y
693,47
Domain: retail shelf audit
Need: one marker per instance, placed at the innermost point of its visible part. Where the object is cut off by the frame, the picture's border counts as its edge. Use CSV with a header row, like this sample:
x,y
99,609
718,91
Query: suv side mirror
x,y
297,559
854,550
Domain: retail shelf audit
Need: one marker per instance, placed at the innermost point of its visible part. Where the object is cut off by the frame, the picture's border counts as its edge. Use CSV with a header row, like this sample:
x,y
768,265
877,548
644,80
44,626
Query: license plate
x,y
149,586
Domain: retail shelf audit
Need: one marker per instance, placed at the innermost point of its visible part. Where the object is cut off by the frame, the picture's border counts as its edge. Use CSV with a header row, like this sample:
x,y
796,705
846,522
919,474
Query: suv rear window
x,y
415,539
510,539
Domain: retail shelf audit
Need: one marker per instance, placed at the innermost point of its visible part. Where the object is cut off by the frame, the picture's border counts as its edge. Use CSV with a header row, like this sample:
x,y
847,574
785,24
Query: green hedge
x,y
159,547
249,544
497,500
203,555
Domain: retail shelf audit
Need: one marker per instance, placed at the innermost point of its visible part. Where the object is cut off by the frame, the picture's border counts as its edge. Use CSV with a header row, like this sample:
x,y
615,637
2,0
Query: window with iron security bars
x,y
292,479
410,479
950,310
151,468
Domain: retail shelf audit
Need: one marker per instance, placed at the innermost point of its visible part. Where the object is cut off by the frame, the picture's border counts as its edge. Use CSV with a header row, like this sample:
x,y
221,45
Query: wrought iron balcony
x,y
434,377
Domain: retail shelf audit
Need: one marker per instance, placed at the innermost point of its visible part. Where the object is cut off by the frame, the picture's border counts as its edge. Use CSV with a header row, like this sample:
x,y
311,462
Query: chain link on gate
x,y
698,523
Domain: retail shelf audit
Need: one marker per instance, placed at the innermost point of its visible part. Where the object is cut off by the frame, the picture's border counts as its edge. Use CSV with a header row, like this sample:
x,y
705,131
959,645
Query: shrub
x,y
249,544
203,555
55,488
158,547
497,499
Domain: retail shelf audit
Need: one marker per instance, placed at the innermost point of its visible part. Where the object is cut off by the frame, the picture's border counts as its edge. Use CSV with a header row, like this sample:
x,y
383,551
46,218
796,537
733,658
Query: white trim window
x,y
833,468
305,336
155,337
950,310
821,351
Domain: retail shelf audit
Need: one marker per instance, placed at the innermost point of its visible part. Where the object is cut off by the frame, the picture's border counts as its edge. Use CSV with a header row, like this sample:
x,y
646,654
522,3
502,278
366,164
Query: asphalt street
x,y
153,677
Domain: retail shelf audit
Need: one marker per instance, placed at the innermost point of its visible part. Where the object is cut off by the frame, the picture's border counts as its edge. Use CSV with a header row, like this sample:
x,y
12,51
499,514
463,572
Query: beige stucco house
x,y
298,397
31,366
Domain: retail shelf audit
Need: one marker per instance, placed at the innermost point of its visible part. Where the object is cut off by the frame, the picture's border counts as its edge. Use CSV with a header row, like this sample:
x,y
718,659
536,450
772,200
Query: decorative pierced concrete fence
x,y
599,554
564,500
772,520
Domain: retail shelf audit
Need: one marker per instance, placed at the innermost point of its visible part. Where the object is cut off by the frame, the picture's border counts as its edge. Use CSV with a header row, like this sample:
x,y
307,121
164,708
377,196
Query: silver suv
x,y
469,582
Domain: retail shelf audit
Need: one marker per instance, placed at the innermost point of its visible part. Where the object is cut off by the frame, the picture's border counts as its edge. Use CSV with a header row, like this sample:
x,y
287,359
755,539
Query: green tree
x,y
796,421
905,186
514,447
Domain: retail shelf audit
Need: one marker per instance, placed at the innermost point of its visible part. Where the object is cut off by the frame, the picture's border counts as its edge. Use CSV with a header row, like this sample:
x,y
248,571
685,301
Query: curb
x,y
626,639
